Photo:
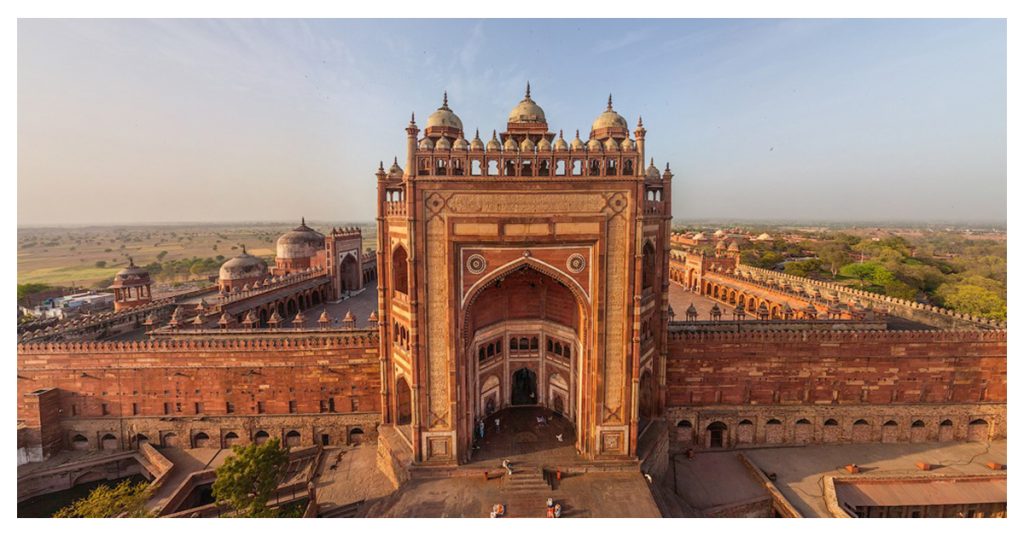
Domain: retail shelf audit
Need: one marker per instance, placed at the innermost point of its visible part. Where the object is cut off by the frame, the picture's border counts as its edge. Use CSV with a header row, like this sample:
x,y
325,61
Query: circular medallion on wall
x,y
476,264
576,263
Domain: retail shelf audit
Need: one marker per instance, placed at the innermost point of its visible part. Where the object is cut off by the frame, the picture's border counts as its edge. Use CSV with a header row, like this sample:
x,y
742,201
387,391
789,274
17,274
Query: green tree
x,y
101,264
31,288
973,299
834,255
160,256
861,271
803,268
123,500
248,478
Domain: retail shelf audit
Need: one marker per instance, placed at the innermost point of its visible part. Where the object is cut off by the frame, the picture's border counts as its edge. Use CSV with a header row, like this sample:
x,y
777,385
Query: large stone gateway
x,y
527,271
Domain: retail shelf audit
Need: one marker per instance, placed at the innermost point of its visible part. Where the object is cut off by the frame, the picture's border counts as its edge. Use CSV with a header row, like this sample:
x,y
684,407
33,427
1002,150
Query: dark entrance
x,y
524,387
716,433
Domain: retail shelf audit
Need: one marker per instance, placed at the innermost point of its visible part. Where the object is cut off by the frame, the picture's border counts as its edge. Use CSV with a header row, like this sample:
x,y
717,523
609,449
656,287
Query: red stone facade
x,y
313,386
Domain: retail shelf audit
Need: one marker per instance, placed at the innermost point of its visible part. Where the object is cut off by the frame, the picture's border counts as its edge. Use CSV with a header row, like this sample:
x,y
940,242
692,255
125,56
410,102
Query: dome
x,y
460,144
543,145
609,119
577,143
476,144
699,236
527,146
527,111
719,233
427,144
494,145
444,117
510,145
301,242
131,275
395,171
610,145
734,247
653,173
627,144
560,143
442,144
763,236
594,145
243,266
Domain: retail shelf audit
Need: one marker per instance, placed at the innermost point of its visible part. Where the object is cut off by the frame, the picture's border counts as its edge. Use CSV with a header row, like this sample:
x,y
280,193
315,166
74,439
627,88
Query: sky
x,y
191,120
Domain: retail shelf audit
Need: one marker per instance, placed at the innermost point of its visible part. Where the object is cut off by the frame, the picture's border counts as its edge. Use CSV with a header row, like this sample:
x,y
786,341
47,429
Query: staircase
x,y
345,510
525,492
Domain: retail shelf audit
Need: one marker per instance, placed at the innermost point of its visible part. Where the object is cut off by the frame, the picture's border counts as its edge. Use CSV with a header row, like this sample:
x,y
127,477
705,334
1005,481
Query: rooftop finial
x,y
396,160
131,262
577,133
381,166
243,249
445,103
477,135
652,161
527,89
640,123
560,134
609,101
304,218
413,119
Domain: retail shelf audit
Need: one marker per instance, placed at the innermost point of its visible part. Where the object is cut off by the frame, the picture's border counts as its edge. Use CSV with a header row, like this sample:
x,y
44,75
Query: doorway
x,y
524,387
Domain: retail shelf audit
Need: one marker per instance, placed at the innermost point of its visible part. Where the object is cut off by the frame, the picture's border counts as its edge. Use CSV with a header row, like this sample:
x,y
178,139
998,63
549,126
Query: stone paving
x,y
350,475
680,299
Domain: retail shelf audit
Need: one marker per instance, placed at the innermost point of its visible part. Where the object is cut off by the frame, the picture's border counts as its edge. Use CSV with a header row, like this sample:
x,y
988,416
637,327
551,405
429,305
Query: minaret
x,y
410,162
639,134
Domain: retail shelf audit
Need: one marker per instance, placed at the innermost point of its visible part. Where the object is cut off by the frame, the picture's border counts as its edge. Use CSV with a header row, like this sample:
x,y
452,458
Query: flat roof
x,y
921,492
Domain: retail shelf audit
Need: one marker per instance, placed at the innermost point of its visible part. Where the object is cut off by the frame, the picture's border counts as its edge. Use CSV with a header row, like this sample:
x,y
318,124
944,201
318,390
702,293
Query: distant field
x,y
70,256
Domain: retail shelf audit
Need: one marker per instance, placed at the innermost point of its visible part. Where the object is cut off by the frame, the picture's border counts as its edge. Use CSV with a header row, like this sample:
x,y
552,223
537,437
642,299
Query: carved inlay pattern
x,y
476,264
576,263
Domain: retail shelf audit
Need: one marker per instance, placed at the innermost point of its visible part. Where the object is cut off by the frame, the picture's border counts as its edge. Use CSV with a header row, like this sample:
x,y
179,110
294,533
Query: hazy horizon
x,y
163,122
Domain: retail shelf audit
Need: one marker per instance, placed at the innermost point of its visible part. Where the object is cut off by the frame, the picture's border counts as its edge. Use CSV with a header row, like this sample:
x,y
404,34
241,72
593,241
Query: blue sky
x,y
124,121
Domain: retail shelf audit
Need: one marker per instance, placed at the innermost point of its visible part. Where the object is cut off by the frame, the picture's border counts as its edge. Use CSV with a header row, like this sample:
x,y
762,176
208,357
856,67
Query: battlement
x,y
352,338
347,232
846,336
876,299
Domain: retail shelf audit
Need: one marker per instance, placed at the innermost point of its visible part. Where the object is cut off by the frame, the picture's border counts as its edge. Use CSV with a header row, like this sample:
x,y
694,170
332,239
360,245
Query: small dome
x,y
609,119
653,173
577,143
594,145
543,145
527,111
734,247
395,171
460,144
527,146
699,236
763,236
560,143
721,245
131,275
299,243
476,144
627,144
244,266
442,144
494,144
426,144
719,233
510,145
444,117
610,145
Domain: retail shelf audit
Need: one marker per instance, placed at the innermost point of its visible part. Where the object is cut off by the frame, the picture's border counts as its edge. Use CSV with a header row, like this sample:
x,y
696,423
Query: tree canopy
x,y
247,479
123,500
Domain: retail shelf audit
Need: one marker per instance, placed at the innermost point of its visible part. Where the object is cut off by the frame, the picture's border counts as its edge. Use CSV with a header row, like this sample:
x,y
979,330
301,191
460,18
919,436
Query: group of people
x,y
554,509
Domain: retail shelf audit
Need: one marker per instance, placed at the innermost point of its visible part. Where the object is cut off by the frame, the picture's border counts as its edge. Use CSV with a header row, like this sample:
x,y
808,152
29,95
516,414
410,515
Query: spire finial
x,y
609,101
667,168
494,134
131,262
304,218
527,89
381,166
445,103
477,135
413,119
652,160
243,249
640,123
396,160
577,133
560,134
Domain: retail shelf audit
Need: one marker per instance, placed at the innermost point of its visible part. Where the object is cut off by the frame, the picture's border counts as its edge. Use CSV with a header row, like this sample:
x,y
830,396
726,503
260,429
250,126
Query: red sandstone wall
x,y
523,296
212,373
842,368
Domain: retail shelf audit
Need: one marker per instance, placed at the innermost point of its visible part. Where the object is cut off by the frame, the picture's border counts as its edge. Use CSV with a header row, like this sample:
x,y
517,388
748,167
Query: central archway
x,y
524,344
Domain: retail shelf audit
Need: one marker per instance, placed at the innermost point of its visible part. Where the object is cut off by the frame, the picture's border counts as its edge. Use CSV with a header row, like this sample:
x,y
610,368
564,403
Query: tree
x,y
246,480
101,264
834,256
31,288
862,271
160,256
123,500
973,299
